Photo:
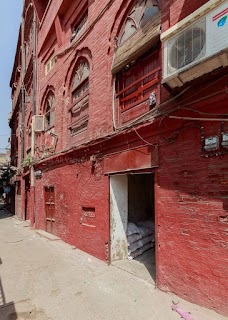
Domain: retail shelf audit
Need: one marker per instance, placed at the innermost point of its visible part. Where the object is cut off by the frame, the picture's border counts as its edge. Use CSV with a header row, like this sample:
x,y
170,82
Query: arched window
x,y
81,80
28,33
142,12
50,111
80,98
29,133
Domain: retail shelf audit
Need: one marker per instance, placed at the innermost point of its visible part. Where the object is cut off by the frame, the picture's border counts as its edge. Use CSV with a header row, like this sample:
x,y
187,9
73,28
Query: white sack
x,y
147,240
144,231
135,246
133,238
132,228
134,254
140,251
146,247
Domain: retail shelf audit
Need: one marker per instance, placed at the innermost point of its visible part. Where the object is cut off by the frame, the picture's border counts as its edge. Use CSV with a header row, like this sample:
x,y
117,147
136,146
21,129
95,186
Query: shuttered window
x,y
50,111
138,81
80,99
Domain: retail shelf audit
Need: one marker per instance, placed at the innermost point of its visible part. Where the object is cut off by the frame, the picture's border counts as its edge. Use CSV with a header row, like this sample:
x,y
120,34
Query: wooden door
x,y
49,196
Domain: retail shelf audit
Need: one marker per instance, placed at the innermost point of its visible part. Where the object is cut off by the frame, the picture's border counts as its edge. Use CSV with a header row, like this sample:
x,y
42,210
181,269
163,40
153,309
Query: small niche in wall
x,y
88,217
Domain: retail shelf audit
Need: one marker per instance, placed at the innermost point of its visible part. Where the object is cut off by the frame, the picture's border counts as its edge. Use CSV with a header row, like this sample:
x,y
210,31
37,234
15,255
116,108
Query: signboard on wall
x,y
129,160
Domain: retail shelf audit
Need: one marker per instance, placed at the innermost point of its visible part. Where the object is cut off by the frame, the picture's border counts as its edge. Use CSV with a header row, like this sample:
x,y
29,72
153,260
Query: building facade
x,y
23,84
119,116
5,173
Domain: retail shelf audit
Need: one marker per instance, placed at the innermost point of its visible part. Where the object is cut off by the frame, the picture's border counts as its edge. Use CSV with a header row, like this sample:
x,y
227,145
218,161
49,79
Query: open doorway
x,y
133,224
27,197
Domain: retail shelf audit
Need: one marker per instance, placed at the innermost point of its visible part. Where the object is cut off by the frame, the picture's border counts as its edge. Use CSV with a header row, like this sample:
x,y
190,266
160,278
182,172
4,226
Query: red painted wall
x,y
98,48
191,191
191,207
174,11
76,187
191,195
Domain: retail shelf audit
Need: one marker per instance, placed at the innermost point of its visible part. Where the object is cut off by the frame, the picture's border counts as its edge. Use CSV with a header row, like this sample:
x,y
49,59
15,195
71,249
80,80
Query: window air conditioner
x,y
38,123
189,53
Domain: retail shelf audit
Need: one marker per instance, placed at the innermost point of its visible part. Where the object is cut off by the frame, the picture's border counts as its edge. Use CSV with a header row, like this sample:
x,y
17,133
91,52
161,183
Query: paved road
x,y
50,280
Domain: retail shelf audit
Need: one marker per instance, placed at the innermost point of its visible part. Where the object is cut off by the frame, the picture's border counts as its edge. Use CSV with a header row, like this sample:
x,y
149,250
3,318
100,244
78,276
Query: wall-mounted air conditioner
x,y
38,123
189,52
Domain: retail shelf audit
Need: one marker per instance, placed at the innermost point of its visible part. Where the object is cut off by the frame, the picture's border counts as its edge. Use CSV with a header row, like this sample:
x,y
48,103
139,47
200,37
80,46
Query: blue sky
x,y
9,28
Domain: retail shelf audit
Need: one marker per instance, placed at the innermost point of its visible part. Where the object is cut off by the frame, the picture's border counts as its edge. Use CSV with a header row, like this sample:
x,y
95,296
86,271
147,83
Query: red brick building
x,y
23,84
126,122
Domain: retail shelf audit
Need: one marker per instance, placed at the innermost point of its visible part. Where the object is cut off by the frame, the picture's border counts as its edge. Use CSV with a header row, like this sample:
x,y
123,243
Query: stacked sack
x,y
140,238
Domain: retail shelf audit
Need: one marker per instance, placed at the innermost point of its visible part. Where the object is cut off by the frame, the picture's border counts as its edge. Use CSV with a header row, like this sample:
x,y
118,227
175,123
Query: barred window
x,y
137,86
50,111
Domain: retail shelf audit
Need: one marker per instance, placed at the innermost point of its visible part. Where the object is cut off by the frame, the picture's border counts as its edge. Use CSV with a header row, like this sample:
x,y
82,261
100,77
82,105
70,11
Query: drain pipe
x,y
22,128
34,92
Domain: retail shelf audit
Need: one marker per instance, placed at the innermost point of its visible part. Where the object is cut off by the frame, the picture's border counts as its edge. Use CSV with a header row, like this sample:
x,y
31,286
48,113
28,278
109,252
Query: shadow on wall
x,y
7,310
197,182
183,10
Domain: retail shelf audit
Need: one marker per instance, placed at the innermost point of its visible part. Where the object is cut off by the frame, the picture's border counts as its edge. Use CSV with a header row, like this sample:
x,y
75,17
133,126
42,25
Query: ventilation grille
x,y
187,47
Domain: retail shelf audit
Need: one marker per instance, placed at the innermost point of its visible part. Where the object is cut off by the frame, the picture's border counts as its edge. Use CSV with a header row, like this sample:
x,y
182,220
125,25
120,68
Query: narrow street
x,y
50,280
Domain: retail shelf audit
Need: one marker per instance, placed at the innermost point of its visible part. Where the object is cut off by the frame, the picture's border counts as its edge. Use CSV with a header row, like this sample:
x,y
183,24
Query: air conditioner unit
x,y
194,50
38,123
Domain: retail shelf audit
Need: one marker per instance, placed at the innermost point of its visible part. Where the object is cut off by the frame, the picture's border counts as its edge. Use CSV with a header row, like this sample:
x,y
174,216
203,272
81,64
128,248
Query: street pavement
x,y
51,280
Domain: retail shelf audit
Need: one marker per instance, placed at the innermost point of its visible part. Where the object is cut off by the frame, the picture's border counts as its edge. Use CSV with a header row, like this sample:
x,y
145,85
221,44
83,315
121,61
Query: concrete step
x,y
47,235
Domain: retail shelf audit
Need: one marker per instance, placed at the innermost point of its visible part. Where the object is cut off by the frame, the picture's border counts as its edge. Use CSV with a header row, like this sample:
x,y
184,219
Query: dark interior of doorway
x,y
27,196
140,209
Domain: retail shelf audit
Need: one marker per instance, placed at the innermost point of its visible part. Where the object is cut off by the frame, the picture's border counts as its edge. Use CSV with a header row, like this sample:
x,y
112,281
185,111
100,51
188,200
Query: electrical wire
x,y
173,137
205,113
151,144
140,137
182,107
150,112
151,115
176,107
205,88
206,97
198,119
